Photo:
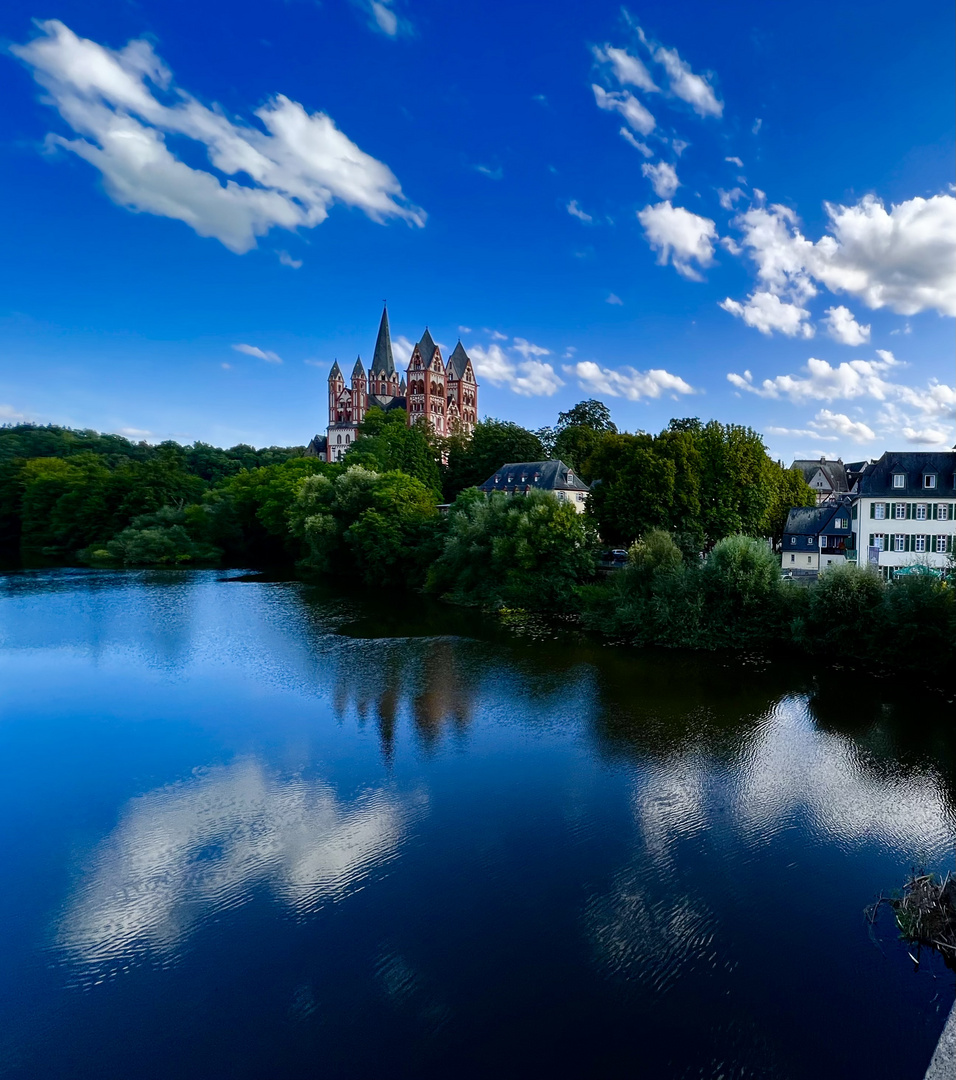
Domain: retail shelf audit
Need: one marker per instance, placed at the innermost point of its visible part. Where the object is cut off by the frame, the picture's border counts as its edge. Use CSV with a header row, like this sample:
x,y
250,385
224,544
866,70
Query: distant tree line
x,y
694,505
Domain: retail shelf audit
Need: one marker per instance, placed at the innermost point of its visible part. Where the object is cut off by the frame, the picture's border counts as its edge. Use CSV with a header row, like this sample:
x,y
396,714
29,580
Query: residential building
x,y
904,510
521,477
825,478
443,395
816,537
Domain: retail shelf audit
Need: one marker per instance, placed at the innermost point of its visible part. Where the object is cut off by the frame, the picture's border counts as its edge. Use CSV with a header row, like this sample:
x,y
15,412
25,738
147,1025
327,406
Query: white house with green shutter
x,y
905,510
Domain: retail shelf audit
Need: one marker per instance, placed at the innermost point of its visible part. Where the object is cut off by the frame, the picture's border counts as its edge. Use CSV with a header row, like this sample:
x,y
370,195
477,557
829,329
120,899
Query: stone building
x,y
445,395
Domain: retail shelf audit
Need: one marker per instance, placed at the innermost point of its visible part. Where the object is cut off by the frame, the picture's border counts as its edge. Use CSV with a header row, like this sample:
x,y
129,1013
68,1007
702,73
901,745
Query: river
x,y
253,828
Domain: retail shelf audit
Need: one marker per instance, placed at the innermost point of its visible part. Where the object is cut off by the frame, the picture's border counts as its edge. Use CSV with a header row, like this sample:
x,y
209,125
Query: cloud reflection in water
x,y
183,854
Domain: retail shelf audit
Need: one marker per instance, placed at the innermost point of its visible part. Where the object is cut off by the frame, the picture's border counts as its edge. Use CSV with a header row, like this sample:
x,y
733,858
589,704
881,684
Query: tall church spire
x,y
382,357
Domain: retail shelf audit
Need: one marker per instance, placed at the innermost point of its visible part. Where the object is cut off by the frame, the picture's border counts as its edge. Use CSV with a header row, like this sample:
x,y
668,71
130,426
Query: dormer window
x,y
929,480
537,477
809,541
511,477
793,539
570,477
899,480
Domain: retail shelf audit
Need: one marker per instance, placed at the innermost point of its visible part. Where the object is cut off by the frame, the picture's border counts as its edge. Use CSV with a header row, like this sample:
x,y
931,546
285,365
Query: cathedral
x,y
443,395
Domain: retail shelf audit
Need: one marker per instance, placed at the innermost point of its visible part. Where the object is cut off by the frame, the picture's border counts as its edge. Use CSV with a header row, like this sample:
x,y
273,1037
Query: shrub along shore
x,y
78,496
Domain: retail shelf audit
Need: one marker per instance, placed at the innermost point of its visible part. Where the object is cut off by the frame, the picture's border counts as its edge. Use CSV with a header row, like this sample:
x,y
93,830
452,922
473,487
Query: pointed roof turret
x,y
358,371
427,346
336,372
458,361
382,357
402,387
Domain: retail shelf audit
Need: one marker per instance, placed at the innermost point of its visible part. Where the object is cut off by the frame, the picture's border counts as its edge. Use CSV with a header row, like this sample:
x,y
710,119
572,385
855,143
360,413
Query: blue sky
x,y
743,212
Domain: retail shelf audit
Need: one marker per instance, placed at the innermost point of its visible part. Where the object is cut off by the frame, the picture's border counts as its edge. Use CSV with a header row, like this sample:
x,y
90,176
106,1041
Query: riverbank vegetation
x,y
695,506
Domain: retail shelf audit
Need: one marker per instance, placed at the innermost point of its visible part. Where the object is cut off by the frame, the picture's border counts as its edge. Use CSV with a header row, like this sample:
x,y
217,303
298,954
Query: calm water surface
x,y
250,829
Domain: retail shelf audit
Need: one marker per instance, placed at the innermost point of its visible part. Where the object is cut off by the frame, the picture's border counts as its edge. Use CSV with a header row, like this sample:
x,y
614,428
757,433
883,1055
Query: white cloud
x,y
286,259
294,168
135,433
464,329
402,350
728,198
767,312
627,69
526,348
636,115
801,433
694,89
10,415
228,367
528,377
842,425
903,259
822,382
382,18
842,327
758,124
929,436
735,161
679,237
627,382
636,143
614,299
496,335
259,354
663,178
495,172
575,211
920,414
679,146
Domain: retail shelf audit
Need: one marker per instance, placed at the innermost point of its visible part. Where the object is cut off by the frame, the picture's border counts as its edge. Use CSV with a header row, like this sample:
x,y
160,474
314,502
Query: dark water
x,y
251,830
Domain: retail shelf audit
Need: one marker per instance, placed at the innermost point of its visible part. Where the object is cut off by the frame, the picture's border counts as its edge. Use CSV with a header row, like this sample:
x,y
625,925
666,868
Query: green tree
x,y
493,443
528,551
386,443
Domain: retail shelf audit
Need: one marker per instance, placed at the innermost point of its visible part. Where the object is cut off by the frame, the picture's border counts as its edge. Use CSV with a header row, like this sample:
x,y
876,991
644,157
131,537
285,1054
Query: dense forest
x,y
693,504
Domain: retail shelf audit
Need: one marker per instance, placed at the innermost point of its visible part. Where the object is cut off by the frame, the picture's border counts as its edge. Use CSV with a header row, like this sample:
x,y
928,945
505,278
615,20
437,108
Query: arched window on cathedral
x,y
338,438
347,439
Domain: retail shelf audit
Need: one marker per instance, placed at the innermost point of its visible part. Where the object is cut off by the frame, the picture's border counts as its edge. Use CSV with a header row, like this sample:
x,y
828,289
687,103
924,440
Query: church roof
x,y
358,369
336,372
457,362
382,357
427,346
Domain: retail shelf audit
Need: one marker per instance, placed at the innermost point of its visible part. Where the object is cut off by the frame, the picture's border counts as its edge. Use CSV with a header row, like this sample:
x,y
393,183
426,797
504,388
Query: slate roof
x,y
382,357
834,471
358,370
878,478
336,372
457,362
813,520
427,346
316,447
385,403
544,475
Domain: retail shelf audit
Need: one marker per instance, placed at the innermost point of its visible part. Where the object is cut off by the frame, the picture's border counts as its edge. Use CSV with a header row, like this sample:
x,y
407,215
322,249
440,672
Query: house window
x,y
793,558
941,544
879,510
921,511
899,510
793,539
810,559
899,480
899,542
842,523
942,512
878,541
920,544
929,480
809,541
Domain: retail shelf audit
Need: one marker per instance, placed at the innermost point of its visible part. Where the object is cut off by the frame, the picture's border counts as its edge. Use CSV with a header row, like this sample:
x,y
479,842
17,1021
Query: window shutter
x,y
909,511
872,510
